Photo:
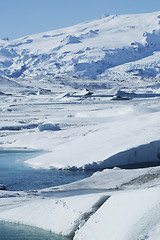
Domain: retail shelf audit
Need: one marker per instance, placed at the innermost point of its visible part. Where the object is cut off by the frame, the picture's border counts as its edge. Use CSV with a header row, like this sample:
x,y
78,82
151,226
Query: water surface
x,y
15,175
18,176
12,231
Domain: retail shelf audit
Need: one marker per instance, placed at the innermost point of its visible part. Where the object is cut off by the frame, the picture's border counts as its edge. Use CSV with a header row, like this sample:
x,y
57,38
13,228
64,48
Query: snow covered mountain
x,y
86,97
113,47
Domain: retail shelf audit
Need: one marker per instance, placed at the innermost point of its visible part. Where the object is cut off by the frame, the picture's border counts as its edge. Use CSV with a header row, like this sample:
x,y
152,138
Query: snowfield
x,y
117,204
125,216
89,101
89,49
60,216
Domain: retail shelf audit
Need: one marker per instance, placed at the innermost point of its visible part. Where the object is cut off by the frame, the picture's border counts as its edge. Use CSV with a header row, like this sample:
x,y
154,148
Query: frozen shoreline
x,y
90,133
70,211
90,102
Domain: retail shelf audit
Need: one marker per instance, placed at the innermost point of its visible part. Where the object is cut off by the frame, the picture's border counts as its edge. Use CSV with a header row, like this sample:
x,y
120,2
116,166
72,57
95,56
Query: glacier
x,y
88,50
88,96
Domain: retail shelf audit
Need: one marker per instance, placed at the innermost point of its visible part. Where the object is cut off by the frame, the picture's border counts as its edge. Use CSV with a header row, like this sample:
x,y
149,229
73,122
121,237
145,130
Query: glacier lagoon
x,y
17,176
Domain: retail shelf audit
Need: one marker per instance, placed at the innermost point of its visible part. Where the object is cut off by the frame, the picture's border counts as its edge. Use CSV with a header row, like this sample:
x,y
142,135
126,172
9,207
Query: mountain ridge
x,y
115,46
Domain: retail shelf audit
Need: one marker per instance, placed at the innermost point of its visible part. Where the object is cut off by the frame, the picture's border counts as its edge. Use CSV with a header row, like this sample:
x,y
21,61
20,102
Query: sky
x,y
19,18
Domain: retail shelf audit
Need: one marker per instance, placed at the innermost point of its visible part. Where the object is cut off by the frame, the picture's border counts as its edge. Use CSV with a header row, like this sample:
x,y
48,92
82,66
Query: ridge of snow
x,y
125,216
88,49
62,216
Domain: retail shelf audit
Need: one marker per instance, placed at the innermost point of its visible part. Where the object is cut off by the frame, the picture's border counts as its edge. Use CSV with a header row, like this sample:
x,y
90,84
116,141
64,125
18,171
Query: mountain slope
x,y
115,47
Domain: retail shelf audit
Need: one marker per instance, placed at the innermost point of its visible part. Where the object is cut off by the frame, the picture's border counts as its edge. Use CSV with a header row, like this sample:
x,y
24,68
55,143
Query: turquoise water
x,y
15,175
11,231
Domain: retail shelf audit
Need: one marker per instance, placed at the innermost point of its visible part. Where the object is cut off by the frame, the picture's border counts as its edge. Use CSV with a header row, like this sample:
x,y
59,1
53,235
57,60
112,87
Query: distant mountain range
x,y
113,47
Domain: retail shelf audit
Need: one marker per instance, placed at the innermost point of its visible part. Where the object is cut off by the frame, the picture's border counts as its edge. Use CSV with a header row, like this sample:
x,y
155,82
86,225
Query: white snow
x,y
105,205
89,96
88,50
114,180
62,216
133,215
113,142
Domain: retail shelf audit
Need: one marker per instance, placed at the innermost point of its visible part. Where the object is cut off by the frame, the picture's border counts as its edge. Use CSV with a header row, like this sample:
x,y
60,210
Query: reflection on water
x,y
11,231
17,176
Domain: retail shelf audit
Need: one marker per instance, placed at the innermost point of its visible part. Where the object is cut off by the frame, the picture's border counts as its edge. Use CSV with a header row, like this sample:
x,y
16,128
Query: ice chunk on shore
x,y
48,127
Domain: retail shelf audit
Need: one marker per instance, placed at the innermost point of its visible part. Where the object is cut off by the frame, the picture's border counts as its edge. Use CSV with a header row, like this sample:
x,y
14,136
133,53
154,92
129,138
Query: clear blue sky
x,y
19,18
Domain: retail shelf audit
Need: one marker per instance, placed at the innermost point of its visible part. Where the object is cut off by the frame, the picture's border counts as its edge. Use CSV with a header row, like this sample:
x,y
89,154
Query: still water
x,y
11,231
15,175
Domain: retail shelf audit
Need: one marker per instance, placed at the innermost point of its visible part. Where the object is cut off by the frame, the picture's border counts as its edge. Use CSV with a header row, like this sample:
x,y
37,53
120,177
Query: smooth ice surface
x,y
62,216
132,215
114,142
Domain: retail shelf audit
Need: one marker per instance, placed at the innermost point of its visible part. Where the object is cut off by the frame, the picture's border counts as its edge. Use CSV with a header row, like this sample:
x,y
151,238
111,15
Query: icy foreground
x,y
127,208
60,216
97,132
131,216
89,102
